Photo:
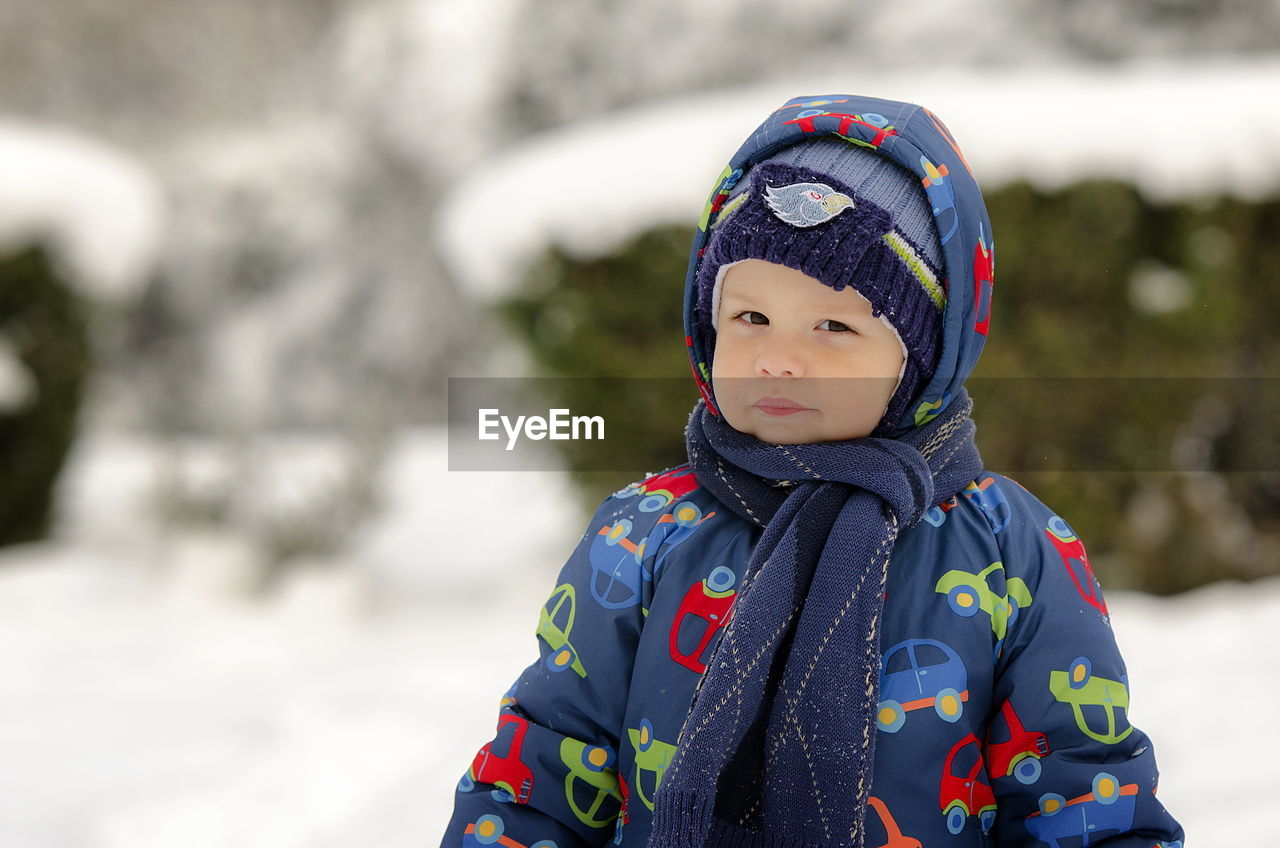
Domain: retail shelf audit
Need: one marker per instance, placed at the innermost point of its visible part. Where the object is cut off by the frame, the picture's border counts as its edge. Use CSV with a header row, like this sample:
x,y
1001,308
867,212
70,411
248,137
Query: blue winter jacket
x,y
1003,696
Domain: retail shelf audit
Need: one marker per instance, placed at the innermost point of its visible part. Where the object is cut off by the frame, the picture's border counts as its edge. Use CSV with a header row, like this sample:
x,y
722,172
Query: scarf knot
x,y
777,748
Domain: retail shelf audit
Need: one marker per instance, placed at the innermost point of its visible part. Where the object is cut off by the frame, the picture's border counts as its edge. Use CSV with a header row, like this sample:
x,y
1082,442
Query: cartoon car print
x,y
651,760
1087,819
967,594
947,137
723,208
715,202
488,830
984,267
670,530
931,409
555,622
893,835
1076,562
942,197
809,106
702,378
624,813
508,698
1107,700
706,606
988,497
1014,750
878,125
920,673
505,770
618,565
615,566
963,791
659,491
592,777
936,515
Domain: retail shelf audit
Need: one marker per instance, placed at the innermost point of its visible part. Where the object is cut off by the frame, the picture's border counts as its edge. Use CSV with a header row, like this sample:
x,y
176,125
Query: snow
x,y
101,208
416,544
144,705
1176,130
426,78
17,386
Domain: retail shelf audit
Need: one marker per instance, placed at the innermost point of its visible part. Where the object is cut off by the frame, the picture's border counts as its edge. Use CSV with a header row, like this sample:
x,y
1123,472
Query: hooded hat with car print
x,y
916,140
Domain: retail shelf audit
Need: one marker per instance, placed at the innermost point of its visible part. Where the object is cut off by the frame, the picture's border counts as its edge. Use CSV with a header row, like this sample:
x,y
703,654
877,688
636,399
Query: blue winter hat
x,y
846,216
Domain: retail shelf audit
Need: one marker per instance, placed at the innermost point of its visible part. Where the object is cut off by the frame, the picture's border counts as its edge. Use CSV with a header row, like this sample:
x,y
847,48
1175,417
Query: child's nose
x,y
778,358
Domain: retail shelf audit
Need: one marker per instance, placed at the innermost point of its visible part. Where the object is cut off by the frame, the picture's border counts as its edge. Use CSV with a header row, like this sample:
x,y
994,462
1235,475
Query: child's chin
x,y
783,435
784,432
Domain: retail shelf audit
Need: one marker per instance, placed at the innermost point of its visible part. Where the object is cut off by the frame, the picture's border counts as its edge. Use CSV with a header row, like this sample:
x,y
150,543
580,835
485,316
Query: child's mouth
x,y
779,406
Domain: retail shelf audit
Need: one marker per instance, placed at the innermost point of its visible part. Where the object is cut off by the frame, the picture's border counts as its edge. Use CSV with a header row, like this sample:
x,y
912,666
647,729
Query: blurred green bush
x,y
43,323
1092,281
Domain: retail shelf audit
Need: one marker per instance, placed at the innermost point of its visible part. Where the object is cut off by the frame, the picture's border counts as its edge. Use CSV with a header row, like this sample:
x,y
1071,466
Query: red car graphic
x,y
701,378
709,601
505,770
966,793
983,282
805,123
1019,754
624,814
1076,562
661,490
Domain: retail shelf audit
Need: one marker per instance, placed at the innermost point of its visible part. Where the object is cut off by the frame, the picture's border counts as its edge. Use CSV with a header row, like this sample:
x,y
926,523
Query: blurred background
x,y
243,245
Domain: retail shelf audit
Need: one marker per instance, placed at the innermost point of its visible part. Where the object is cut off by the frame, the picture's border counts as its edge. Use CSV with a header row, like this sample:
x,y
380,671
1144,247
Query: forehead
x,y
758,280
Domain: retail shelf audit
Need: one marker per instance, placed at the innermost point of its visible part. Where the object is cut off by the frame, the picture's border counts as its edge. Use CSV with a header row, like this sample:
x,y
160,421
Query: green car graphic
x,y
591,776
652,758
1079,687
555,622
967,593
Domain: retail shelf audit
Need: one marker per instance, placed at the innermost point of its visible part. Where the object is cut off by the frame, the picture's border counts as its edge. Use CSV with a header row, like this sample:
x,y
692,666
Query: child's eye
x,y
764,318
838,327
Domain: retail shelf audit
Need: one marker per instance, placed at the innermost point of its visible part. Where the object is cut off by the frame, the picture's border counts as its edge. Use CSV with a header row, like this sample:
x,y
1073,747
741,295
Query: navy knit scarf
x,y
776,751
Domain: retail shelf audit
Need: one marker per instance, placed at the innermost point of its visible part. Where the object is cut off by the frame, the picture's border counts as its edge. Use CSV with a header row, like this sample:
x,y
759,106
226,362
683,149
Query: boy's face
x,y
785,337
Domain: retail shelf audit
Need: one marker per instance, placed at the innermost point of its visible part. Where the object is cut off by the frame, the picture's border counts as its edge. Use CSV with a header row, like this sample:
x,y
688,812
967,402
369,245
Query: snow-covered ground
x,y
148,699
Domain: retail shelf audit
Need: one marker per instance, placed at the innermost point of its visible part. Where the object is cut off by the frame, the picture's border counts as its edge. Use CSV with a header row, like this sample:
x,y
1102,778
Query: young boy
x,y
831,627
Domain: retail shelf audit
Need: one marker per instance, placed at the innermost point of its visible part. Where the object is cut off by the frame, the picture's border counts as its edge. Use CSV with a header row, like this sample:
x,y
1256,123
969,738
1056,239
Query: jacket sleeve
x,y
548,778
1066,766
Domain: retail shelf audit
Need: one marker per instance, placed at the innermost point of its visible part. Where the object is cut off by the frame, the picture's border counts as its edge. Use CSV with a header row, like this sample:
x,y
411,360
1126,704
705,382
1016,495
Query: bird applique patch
x,y
806,204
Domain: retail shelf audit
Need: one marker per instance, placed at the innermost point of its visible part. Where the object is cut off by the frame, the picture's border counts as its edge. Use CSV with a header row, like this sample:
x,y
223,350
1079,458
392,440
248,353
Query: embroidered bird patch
x,y
806,204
